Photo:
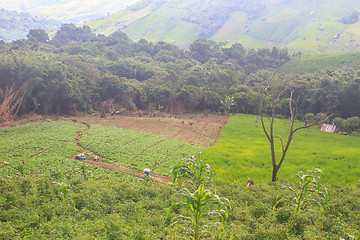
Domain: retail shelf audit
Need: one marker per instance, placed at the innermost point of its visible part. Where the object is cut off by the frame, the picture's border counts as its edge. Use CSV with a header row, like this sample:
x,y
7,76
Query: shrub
x,y
283,215
298,224
259,210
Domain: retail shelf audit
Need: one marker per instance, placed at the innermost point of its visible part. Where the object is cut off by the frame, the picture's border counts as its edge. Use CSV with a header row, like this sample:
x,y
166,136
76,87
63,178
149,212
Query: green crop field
x,y
156,27
136,149
45,194
243,151
39,148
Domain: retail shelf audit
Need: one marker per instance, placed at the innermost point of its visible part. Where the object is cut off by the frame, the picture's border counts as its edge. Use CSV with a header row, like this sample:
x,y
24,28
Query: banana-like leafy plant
x,y
227,103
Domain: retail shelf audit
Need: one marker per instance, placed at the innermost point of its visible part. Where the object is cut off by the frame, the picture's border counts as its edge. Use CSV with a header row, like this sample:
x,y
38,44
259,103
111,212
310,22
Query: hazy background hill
x,y
16,25
68,10
309,25
306,25
17,17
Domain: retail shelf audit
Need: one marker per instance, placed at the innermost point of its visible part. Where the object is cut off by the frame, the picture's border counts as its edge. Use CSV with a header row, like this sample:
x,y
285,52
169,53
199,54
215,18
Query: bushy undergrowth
x,y
111,209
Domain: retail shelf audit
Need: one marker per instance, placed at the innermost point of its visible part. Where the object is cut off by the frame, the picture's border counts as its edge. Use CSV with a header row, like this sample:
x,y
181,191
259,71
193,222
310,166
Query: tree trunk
x,y
274,99
274,173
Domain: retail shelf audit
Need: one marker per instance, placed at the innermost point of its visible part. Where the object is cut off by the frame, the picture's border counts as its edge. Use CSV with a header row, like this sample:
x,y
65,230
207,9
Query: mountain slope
x,y
315,25
68,10
17,17
14,25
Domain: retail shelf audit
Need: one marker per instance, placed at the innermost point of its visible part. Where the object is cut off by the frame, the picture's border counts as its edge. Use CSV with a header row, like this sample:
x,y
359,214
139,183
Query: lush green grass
x,y
243,151
314,62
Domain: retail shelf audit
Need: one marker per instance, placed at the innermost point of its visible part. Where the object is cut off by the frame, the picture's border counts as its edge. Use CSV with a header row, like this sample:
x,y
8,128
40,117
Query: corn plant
x,y
192,173
309,184
204,210
309,187
56,175
20,169
85,172
63,191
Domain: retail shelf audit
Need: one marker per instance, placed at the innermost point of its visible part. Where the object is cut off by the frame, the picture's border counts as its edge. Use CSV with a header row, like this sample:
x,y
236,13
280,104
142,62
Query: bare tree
x,y
274,99
11,103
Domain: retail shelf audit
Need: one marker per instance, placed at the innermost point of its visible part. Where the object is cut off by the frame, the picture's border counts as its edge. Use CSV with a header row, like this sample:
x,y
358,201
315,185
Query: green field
x,y
45,194
243,151
308,63
136,149
40,148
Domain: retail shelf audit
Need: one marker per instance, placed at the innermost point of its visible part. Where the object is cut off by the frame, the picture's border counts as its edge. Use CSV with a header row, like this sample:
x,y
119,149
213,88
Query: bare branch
x,y
315,123
263,126
279,95
282,144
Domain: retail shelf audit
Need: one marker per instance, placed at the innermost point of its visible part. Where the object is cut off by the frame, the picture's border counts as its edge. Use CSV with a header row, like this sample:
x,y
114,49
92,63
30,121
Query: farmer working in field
x,y
80,156
250,182
147,172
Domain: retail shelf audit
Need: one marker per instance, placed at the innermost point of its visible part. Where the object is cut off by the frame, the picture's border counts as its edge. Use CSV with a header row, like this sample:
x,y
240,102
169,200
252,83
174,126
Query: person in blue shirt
x,y
147,172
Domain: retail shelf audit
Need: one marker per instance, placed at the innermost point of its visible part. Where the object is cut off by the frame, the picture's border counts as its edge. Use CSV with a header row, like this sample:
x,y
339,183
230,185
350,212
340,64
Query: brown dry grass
x,y
11,103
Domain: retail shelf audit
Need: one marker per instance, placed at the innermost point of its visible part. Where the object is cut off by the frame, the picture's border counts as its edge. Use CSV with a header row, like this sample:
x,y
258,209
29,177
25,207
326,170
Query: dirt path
x,y
111,166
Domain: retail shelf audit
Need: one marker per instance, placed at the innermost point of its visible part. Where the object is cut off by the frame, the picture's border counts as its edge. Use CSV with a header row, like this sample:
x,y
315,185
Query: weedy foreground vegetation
x,y
47,195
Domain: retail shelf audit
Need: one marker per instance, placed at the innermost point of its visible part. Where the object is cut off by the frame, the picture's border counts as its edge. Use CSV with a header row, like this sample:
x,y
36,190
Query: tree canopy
x,y
77,70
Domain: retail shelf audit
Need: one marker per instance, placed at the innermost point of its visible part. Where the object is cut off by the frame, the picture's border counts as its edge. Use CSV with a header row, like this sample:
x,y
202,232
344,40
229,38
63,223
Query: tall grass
x,y
242,151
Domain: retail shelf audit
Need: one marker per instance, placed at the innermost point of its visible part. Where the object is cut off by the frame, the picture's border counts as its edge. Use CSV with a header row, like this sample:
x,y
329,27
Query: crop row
x,y
42,148
137,149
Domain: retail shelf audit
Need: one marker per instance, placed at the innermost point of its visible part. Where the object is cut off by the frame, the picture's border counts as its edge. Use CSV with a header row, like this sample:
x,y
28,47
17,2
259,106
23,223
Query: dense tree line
x,y
77,70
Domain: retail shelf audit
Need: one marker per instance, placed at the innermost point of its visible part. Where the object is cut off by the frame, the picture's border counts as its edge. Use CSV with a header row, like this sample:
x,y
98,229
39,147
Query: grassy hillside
x,y
155,22
314,62
306,25
162,26
309,26
243,151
